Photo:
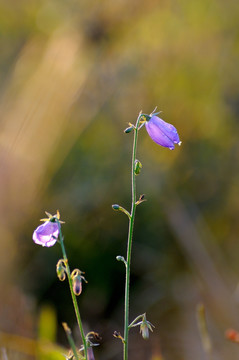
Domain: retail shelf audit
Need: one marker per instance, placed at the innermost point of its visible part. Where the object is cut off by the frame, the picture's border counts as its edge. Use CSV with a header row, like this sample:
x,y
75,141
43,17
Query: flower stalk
x,y
74,300
130,238
70,340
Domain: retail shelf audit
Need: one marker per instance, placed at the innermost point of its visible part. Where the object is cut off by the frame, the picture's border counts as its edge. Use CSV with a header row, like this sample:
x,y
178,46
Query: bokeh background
x,y
72,75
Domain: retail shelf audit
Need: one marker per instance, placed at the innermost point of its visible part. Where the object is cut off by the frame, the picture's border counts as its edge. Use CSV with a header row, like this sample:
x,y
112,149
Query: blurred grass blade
x,y
203,330
70,339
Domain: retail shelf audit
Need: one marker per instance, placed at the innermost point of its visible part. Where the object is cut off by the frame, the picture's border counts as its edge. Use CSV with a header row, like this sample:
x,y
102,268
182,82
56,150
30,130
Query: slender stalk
x,y
129,245
70,340
77,312
203,330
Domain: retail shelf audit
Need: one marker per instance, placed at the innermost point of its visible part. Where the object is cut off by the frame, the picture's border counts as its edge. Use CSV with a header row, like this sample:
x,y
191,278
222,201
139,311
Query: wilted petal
x,y
162,132
46,234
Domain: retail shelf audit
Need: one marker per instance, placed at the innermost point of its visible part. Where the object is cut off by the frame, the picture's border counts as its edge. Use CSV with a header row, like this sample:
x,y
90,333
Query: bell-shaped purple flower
x,y
162,132
46,234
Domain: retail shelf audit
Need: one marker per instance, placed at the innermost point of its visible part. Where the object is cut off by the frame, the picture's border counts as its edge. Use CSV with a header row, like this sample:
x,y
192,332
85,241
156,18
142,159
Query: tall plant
x,y
50,232
166,135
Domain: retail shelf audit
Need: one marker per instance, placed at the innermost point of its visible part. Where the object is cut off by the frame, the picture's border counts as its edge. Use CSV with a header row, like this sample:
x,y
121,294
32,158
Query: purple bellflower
x,y
47,233
161,132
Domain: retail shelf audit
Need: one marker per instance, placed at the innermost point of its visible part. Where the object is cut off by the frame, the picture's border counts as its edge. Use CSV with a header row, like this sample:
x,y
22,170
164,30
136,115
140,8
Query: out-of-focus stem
x,y
70,340
203,330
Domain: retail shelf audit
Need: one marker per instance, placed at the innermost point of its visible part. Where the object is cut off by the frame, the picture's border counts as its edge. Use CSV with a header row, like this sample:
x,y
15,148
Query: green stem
x,y
68,272
129,246
70,340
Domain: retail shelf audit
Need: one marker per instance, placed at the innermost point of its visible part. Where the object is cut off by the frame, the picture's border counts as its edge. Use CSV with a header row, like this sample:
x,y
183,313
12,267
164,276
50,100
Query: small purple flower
x,y
162,132
46,234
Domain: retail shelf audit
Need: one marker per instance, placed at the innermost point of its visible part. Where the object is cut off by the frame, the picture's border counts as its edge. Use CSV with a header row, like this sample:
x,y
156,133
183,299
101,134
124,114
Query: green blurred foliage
x,y
73,74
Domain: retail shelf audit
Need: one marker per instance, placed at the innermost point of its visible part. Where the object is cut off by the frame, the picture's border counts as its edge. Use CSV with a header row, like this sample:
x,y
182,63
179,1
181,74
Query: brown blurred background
x,y
73,74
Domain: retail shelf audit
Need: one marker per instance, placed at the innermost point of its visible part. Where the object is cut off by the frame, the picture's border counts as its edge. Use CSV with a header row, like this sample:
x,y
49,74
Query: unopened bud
x,y
115,207
137,167
77,281
145,327
129,129
120,258
77,285
144,330
60,270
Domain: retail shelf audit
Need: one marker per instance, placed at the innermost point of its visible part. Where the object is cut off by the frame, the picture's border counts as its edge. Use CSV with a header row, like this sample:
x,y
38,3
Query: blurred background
x,y
72,75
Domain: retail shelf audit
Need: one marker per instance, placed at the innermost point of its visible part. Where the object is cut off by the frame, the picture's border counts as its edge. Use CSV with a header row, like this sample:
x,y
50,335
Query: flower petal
x,y
162,132
46,234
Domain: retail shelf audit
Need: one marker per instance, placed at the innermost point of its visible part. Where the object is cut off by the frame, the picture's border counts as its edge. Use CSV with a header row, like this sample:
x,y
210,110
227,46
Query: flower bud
x,y
77,285
115,207
77,281
145,326
137,167
129,129
120,258
144,330
60,270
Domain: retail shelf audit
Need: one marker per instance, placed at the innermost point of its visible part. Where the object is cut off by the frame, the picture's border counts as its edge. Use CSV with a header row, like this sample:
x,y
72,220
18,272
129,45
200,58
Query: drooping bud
x,y
144,330
161,132
145,326
120,258
77,281
93,337
137,167
117,207
61,270
77,285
